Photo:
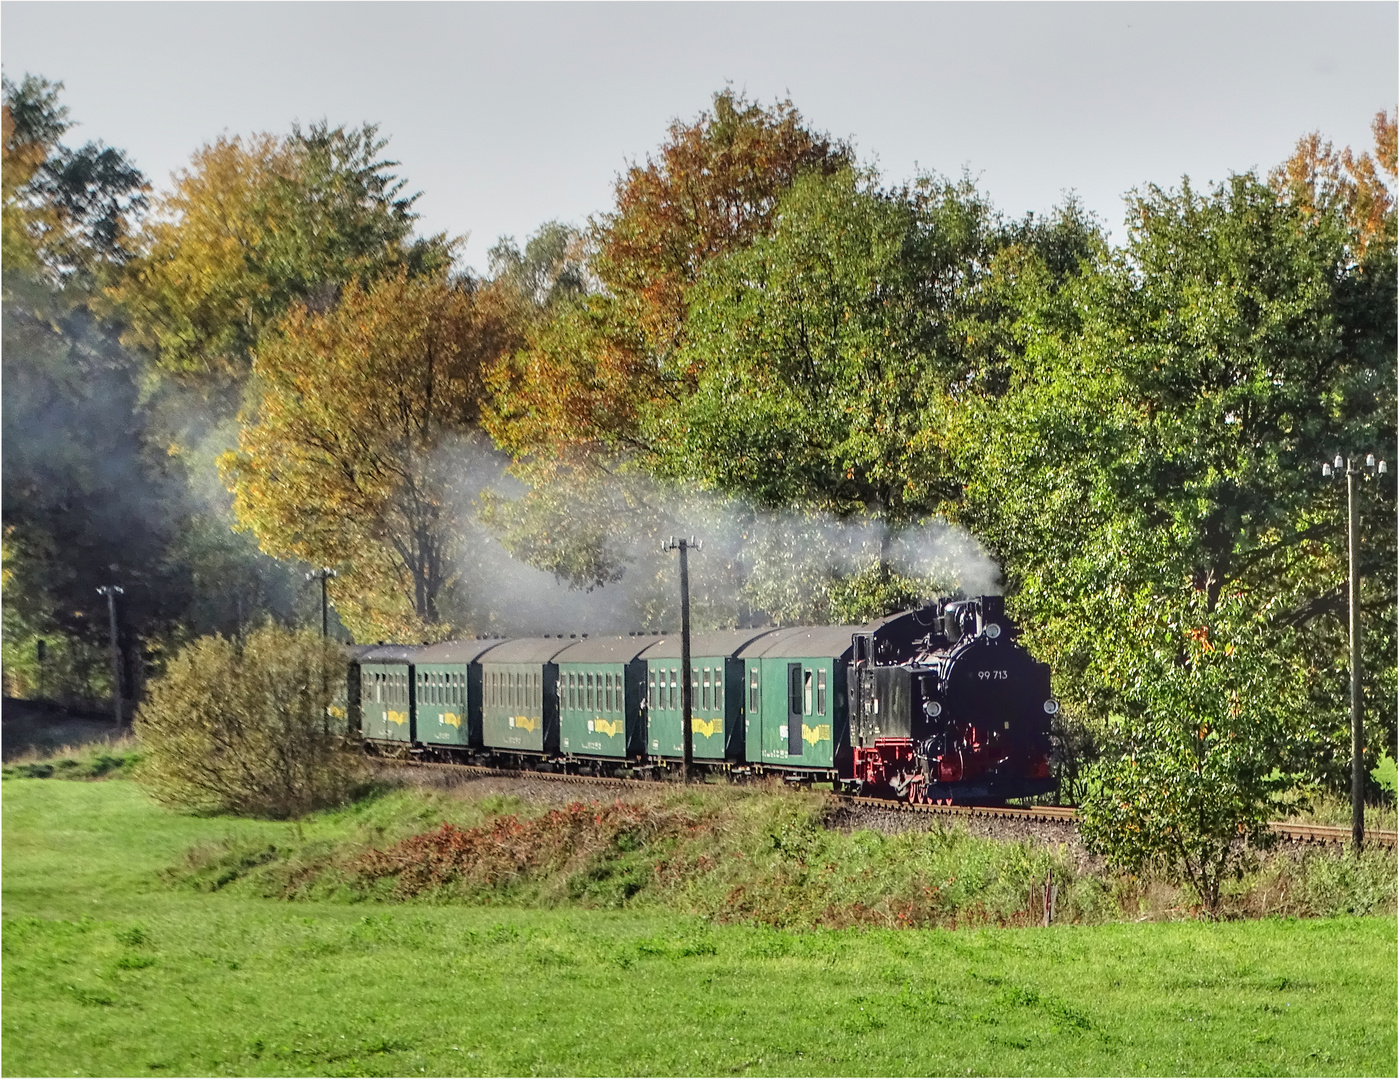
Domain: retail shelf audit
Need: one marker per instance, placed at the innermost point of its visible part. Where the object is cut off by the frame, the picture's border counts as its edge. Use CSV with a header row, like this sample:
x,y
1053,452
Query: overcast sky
x,y
508,115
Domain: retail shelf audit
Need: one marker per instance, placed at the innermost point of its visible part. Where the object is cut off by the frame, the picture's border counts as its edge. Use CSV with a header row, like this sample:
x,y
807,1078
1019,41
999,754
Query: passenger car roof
x,y
532,650
605,650
390,654
832,641
456,652
709,643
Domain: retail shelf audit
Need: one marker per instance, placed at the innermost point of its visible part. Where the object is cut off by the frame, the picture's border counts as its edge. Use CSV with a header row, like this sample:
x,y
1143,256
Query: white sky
x,y
507,115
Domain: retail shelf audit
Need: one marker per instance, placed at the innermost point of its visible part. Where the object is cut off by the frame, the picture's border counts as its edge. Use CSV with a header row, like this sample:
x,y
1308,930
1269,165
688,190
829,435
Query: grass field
x,y
110,970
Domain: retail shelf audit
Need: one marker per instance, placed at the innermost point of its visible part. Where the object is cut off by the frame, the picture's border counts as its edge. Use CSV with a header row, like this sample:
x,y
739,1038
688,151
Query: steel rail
x,y
1288,831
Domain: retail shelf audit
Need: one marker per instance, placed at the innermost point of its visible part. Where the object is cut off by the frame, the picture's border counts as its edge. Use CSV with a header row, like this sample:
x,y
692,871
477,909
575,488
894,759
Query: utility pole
x,y
684,546
1353,473
325,573
111,592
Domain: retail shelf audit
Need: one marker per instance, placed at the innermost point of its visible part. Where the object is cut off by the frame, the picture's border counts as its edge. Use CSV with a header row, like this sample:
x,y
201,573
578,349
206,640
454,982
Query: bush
x,y
1201,752
246,729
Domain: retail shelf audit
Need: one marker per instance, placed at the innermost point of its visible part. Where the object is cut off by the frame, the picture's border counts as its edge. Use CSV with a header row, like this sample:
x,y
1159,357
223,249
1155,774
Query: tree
x,y
248,729
551,269
1319,180
255,226
67,213
83,505
1202,755
346,458
1162,427
827,354
713,187
579,388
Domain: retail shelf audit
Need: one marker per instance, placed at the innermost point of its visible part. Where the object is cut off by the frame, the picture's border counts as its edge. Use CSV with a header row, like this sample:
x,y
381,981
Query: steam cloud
x,y
755,567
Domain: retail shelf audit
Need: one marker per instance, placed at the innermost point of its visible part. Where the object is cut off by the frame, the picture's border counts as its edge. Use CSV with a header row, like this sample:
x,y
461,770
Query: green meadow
x,y
115,965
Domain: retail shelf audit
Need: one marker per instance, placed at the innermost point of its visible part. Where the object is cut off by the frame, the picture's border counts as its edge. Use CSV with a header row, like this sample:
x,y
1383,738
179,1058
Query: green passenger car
x,y
601,694
447,693
716,695
795,693
344,710
386,693
520,704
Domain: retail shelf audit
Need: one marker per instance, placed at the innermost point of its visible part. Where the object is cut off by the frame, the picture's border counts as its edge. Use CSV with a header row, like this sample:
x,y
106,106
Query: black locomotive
x,y
946,706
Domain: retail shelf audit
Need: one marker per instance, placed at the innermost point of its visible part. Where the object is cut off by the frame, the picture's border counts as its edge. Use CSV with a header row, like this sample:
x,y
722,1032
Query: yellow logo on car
x,y
817,734
525,723
400,718
452,718
602,727
700,727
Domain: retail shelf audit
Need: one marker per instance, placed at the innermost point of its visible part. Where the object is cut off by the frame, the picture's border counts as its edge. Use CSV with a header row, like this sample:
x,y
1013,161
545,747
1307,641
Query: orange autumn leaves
x,y
344,460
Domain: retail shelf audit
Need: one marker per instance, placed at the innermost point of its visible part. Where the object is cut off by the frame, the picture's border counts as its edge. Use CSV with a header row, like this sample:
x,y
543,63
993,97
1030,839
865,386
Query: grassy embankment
x,y
115,965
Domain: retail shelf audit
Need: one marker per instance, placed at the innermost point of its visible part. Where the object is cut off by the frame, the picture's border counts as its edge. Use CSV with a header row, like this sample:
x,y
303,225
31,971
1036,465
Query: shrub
x,y
1201,749
245,728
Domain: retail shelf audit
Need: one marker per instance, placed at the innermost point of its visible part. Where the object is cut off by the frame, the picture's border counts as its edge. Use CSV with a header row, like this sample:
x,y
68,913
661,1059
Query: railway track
x,y
1289,831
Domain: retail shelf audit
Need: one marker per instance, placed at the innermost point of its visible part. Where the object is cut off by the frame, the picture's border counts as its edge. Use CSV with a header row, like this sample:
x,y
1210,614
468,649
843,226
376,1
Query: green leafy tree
x,y
68,213
1201,756
1162,423
551,269
248,729
828,353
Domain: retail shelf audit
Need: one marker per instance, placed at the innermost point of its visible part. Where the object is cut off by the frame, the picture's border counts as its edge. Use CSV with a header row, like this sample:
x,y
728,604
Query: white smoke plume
x,y
755,567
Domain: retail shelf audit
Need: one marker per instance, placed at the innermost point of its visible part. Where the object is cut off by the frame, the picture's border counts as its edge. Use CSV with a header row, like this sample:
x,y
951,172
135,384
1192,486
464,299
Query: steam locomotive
x,y
935,704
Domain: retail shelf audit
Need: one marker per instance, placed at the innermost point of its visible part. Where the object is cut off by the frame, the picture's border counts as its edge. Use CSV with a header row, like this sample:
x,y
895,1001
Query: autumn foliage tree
x,y
713,187
347,457
1319,179
581,385
257,225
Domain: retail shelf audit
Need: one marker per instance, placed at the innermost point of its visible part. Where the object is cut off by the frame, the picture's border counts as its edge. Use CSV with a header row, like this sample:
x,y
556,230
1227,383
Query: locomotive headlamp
x,y
1051,706
993,631
932,708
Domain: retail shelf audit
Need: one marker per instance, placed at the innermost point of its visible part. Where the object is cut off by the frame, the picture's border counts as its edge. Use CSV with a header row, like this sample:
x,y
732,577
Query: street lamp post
x,y
684,546
1354,471
111,592
325,573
